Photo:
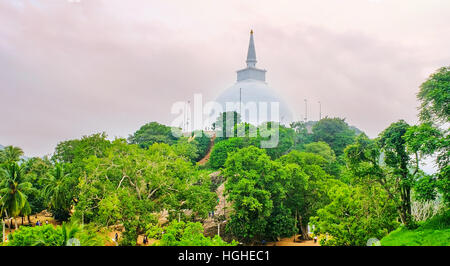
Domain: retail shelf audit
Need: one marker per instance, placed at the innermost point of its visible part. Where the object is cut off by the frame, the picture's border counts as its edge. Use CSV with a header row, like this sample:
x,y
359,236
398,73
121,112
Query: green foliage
x,y
286,140
185,234
434,95
312,164
151,133
252,204
321,148
187,148
425,188
47,235
13,189
275,192
443,184
225,125
428,237
335,132
308,183
74,151
193,148
437,222
392,142
10,154
395,171
302,136
281,223
273,198
433,232
129,185
134,214
222,149
424,140
202,142
36,171
354,215
256,185
59,192
200,199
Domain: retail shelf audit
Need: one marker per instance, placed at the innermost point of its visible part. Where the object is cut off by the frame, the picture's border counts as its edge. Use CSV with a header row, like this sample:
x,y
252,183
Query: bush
x,y
202,141
151,133
354,215
434,232
45,235
221,150
185,234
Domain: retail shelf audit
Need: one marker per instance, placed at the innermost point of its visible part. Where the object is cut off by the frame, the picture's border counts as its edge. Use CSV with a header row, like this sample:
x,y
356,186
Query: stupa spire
x,y
251,72
251,55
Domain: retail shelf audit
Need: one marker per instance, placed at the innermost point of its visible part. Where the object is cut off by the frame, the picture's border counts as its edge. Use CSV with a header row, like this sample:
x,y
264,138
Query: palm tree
x,y
26,211
12,191
56,189
69,231
81,234
10,154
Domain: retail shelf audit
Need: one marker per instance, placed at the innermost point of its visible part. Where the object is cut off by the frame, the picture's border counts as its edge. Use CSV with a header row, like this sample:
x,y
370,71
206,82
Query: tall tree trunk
x,y
303,229
405,206
15,223
22,220
296,224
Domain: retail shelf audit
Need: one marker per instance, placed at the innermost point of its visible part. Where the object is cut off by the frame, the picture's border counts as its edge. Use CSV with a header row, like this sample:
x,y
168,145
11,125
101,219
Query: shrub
x,y
185,234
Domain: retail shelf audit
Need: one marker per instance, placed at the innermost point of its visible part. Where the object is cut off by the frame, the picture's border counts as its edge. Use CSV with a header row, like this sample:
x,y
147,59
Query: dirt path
x,y
139,241
205,159
42,217
289,241
222,209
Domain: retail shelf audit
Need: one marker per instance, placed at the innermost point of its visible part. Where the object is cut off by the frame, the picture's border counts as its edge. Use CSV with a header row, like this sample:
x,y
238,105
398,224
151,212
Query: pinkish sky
x,y
71,68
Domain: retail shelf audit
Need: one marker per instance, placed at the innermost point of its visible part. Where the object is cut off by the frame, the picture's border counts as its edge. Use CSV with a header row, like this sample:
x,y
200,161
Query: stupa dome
x,y
251,89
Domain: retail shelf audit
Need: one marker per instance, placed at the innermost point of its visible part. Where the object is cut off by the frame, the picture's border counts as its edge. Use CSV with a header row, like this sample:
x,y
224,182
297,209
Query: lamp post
x,y
218,226
306,111
240,102
187,116
320,111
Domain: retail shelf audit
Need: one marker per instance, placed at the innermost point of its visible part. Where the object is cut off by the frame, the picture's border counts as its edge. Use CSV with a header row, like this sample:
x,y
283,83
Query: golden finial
x,y
251,31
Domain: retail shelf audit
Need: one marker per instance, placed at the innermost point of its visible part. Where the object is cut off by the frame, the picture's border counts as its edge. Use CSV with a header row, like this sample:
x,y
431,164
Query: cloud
x,y
73,68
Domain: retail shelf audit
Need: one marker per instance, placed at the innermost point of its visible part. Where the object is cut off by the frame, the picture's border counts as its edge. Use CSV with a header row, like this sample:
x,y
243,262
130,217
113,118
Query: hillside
x,y
434,232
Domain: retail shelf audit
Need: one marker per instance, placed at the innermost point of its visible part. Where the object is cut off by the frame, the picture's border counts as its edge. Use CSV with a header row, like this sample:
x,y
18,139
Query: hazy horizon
x,y
73,68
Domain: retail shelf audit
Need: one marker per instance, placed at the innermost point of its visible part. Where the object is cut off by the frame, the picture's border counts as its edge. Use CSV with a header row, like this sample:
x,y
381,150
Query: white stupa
x,y
251,87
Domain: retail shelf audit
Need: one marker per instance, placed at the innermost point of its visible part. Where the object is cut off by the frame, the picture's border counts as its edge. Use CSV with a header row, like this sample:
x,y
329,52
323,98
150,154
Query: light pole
x,y
218,226
187,116
306,110
240,102
320,110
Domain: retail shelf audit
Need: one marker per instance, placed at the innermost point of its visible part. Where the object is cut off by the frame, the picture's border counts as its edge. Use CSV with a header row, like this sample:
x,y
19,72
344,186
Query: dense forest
x,y
325,175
